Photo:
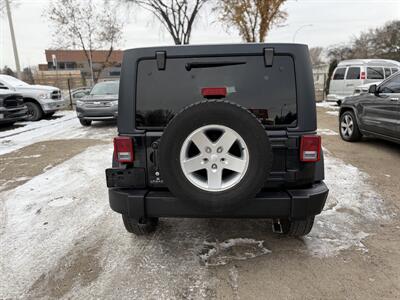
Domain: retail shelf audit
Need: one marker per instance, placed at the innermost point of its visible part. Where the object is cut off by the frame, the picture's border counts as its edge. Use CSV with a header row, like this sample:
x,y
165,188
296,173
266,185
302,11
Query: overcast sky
x,y
333,22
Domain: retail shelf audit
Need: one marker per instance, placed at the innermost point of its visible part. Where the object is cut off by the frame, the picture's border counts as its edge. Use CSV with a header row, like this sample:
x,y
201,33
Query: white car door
x,y
352,80
336,86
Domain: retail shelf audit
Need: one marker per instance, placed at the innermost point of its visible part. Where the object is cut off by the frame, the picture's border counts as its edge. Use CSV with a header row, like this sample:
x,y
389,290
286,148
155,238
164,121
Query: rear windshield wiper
x,y
212,64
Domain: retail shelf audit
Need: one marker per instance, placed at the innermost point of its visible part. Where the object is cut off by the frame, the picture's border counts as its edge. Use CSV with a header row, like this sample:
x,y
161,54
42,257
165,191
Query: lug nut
x,y
208,149
219,150
214,166
205,160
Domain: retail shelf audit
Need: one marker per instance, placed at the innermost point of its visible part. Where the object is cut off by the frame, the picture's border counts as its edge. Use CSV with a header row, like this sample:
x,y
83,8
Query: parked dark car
x,y
101,103
217,131
12,108
376,113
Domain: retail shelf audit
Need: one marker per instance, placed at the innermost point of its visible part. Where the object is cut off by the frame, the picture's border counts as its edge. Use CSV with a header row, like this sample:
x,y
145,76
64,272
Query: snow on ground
x,y
227,251
330,105
333,113
42,218
326,104
63,125
60,239
326,131
351,209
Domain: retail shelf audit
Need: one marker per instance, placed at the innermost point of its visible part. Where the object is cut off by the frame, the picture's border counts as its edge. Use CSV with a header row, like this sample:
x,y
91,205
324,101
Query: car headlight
x,y
44,96
79,103
114,103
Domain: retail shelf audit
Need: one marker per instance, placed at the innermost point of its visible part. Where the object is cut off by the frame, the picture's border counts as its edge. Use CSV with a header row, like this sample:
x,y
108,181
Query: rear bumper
x,y
293,204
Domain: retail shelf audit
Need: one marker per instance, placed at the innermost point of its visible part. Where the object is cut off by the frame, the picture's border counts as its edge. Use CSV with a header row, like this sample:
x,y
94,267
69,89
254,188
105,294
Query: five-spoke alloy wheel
x,y
214,165
348,127
215,155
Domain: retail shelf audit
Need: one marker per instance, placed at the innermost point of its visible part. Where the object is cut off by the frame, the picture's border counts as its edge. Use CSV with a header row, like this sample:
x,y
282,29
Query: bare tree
x,y
253,18
83,24
381,42
3,4
316,55
177,16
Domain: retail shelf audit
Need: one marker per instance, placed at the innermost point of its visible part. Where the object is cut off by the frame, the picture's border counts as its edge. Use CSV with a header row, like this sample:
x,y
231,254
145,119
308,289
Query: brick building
x,y
76,60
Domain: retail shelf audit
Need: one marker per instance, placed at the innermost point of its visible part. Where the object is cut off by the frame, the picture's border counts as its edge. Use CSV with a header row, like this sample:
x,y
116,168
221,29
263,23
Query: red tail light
x,y
123,149
219,92
310,148
362,75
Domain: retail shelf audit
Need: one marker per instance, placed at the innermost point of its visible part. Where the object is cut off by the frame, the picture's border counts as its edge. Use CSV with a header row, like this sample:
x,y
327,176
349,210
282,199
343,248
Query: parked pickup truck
x,y
12,108
41,100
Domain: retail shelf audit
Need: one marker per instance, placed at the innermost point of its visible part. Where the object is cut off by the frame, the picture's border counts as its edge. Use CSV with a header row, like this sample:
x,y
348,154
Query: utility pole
x,y
14,43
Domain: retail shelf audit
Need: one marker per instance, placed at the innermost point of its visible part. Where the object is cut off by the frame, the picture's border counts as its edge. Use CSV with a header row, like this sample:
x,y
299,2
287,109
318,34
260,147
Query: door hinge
x,y
268,56
161,57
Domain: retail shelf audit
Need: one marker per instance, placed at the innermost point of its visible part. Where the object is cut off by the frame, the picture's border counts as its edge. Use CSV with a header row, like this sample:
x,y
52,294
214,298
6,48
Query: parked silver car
x,y
41,100
100,104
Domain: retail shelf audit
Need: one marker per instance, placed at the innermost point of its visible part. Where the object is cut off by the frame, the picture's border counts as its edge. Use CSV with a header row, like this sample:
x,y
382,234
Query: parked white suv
x,y
352,73
41,100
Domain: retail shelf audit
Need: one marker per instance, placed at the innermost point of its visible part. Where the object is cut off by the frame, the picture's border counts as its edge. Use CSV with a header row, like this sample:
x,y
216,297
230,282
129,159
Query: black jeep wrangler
x,y
217,131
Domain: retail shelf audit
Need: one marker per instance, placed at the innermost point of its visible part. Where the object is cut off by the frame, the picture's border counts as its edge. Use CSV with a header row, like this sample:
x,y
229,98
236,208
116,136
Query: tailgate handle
x,y
268,56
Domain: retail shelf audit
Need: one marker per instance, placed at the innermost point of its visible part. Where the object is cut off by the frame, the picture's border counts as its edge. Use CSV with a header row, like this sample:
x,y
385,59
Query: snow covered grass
x,y
67,126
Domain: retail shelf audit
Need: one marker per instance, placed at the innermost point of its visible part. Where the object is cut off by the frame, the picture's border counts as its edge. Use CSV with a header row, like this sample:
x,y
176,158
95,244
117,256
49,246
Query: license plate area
x,y
125,178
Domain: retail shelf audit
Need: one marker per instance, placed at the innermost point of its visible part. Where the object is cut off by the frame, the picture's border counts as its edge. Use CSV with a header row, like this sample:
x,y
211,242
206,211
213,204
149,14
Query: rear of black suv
x,y
217,131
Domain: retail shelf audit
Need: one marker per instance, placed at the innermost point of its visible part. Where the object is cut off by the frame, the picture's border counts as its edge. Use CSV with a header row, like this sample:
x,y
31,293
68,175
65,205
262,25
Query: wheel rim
x,y
31,112
347,125
214,158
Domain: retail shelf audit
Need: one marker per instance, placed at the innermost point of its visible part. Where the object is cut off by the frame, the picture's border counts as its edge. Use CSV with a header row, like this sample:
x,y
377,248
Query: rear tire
x,y
35,112
297,227
85,123
141,227
348,127
224,119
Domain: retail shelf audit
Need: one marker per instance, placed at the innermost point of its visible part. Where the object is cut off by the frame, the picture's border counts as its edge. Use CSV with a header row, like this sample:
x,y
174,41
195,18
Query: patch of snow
x,y
67,126
221,253
326,131
48,167
31,242
60,201
4,183
352,209
20,157
333,113
234,281
326,104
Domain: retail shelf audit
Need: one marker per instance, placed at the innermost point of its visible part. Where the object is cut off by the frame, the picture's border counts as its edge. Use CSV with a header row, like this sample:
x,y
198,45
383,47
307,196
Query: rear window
x,y
270,93
394,70
339,74
375,73
353,73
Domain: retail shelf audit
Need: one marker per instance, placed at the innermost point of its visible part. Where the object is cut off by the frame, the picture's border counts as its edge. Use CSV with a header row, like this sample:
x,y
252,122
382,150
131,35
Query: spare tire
x,y
215,154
